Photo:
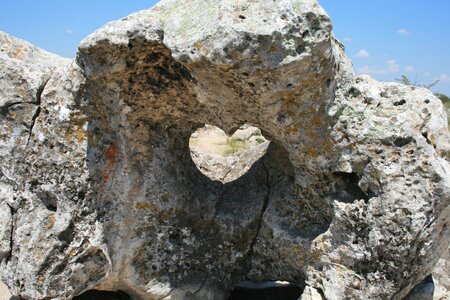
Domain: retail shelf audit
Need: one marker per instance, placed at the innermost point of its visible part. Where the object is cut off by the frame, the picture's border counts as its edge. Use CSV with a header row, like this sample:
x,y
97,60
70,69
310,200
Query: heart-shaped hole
x,y
226,158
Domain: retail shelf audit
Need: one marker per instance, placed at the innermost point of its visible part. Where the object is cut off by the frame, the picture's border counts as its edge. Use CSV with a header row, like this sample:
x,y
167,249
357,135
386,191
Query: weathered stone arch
x,y
147,101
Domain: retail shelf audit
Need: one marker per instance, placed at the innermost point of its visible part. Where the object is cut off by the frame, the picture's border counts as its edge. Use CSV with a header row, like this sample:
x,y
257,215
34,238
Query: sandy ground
x,y
4,293
210,140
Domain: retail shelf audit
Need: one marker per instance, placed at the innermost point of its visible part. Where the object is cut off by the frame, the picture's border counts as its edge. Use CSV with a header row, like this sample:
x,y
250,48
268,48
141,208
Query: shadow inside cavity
x,y
102,295
268,290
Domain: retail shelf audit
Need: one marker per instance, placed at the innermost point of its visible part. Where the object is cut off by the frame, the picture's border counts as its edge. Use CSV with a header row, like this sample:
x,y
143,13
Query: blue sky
x,y
384,38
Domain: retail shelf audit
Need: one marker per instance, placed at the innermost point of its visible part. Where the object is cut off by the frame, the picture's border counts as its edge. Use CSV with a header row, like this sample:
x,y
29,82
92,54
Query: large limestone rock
x,y
98,189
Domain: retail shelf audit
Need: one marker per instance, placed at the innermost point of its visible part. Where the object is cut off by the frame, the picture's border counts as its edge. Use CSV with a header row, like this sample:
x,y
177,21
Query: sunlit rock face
x,y
99,191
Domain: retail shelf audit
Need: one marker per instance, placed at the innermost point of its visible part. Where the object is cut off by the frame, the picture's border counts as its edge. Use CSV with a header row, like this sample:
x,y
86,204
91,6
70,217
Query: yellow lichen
x,y
291,130
51,221
142,205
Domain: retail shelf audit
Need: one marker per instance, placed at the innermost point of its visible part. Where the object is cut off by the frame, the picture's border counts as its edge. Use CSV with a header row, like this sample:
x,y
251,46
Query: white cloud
x,y
403,31
347,39
410,69
444,78
393,66
69,31
371,70
362,54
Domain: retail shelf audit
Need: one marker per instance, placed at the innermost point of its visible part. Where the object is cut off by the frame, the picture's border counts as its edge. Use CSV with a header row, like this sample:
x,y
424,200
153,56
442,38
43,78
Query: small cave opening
x,y
350,189
102,295
226,158
267,290
423,290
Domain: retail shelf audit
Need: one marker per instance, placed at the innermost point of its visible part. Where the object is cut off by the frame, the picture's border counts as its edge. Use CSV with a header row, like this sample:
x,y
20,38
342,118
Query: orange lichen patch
x,y
105,176
291,129
273,48
166,197
110,160
111,154
77,133
315,120
22,93
50,221
198,46
234,54
73,252
17,52
142,205
317,150
305,255
150,208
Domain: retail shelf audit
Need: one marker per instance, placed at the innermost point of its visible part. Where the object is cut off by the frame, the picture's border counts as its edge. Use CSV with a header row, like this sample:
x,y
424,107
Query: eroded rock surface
x,y
351,199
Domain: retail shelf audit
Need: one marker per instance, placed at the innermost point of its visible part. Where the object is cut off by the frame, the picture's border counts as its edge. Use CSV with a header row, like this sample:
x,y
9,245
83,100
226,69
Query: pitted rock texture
x,y
351,199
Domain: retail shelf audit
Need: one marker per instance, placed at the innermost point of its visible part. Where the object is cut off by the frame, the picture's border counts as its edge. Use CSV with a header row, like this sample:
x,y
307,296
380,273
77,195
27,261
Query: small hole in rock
x,y
401,102
349,188
103,295
300,49
354,92
49,199
425,135
305,34
226,158
268,290
400,142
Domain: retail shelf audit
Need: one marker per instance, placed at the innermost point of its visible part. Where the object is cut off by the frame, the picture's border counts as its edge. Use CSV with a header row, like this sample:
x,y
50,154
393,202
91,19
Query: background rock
x,y
4,293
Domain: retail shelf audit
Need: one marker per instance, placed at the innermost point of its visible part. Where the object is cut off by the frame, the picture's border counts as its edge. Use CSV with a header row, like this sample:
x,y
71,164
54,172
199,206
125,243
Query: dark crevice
x,y
218,203
423,290
66,236
322,294
49,200
284,292
11,104
102,295
425,135
39,92
11,236
263,210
